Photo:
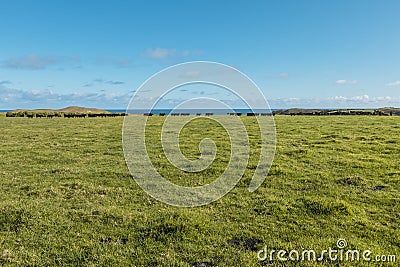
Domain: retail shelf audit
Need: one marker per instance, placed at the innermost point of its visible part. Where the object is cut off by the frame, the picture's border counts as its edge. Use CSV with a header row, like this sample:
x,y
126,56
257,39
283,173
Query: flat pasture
x,y
68,199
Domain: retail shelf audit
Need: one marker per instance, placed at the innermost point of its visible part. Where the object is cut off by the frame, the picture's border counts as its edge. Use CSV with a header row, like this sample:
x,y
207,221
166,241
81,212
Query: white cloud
x,y
186,53
15,98
39,62
166,53
346,81
102,81
159,53
117,62
190,74
360,101
283,75
361,98
352,98
5,82
32,61
341,81
396,83
383,98
366,99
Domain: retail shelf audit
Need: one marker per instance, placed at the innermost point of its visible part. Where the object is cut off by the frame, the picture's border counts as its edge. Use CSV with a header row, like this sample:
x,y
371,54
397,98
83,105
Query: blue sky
x,y
300,53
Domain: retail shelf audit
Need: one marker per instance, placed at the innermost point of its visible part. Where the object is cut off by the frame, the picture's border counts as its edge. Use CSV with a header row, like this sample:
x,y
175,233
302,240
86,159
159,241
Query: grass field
x,y
67,197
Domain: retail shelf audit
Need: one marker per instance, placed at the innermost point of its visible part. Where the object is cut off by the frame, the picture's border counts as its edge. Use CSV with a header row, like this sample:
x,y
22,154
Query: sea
x,y
192,111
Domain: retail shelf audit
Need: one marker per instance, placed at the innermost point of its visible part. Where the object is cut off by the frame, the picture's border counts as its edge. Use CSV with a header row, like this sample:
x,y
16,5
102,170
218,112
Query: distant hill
x,y
304,111
298,111
72,109
390,110
76,109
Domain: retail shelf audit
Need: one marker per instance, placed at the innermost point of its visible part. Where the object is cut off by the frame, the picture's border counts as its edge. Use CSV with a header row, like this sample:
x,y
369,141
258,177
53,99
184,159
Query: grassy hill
x,y
71,109
68,112
304,111
388,110
75,109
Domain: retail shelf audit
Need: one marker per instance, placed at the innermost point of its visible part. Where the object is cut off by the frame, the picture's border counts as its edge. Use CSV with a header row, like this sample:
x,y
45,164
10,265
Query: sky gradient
x,y
324,54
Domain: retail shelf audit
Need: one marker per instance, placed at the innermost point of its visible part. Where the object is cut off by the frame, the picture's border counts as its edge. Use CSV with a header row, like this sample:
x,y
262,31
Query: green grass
x,y
67,197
